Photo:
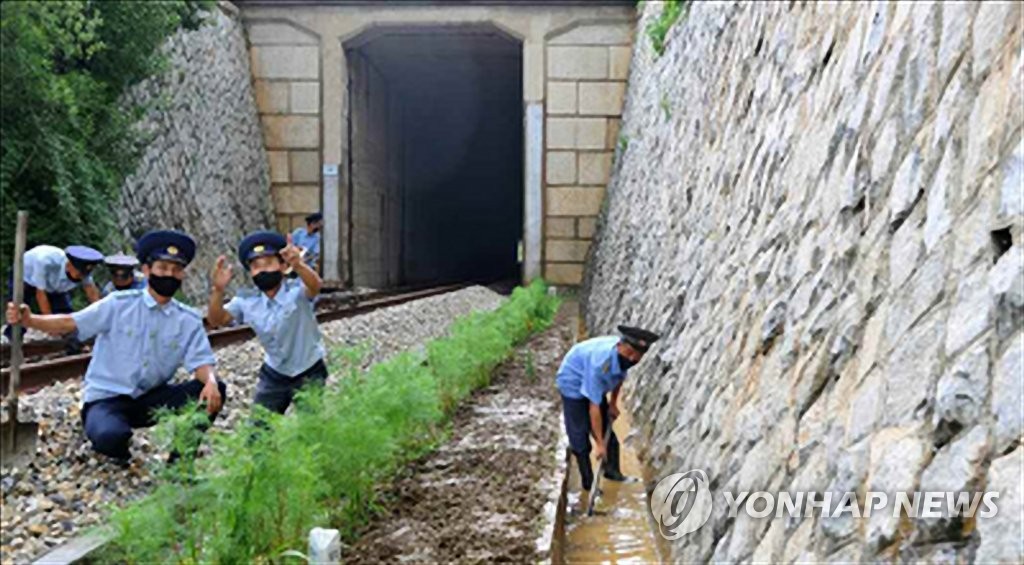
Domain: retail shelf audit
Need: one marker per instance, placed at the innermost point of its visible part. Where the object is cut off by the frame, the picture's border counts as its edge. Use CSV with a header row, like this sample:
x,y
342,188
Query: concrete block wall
x,y
821,209
585,79
589,43
286,80
376,173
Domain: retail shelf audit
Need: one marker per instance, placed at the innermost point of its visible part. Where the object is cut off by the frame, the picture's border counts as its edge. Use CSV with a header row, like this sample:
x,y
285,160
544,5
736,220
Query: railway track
x,y
39,374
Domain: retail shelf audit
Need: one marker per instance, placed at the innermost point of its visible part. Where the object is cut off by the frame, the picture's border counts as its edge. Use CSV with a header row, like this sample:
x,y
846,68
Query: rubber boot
x,y
611,465
586,470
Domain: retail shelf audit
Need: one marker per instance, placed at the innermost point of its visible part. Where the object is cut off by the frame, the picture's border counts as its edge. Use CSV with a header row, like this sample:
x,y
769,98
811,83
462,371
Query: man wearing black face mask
x,y
281,312
142,337
308,238
51,274
591,370
123,275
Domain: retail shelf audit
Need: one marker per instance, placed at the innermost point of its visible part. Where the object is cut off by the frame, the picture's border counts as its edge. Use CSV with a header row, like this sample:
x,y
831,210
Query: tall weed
x,y
256,497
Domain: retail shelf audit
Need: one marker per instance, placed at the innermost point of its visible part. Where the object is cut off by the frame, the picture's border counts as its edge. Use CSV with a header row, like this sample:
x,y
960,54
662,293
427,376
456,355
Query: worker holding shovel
x,y
592,369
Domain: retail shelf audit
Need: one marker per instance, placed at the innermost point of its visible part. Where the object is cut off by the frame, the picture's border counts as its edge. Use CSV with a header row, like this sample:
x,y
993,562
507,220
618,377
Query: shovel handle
x,y
600,470
18,282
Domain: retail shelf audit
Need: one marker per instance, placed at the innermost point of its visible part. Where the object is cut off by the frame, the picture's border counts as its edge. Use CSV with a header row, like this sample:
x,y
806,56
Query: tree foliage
x,y
66,135
657,29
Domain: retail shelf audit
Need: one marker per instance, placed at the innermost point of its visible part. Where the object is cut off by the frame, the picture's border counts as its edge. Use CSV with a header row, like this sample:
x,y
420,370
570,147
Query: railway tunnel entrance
x,y
435,154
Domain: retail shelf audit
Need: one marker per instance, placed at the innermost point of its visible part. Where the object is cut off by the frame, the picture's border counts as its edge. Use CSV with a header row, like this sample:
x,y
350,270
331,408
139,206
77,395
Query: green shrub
x,y
66,137
671,10
256,497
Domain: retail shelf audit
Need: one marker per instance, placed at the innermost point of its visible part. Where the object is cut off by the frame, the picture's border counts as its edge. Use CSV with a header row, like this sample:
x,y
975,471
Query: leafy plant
x,y
671,11
666,106
256,497
66,134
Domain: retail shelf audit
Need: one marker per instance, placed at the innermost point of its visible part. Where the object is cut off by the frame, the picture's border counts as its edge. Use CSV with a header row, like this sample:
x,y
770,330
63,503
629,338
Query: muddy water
x,y
621,530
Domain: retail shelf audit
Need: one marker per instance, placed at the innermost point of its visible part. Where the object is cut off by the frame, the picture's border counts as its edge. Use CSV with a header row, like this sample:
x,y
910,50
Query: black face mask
x,y
164,286
267,280
625,363
124,286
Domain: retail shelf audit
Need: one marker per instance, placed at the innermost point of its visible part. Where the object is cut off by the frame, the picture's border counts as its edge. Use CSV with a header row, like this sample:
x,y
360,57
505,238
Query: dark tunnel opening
x,y
436,155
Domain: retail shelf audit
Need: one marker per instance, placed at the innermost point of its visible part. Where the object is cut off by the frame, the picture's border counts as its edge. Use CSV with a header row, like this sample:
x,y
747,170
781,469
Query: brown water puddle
x,y
621,530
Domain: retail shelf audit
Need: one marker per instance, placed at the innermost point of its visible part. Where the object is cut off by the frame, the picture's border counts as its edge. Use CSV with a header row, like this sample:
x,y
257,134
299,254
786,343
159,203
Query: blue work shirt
x,y
286,325
46,269
311,242
139,343
139,282
591,369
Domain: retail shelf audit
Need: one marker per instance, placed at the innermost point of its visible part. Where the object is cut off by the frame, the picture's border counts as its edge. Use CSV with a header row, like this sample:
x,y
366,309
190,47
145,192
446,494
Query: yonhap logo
x,y
681,503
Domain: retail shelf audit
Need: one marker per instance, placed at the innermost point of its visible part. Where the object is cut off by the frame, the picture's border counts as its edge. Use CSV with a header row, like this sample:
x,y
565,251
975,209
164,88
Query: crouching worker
x,y
281,313
592,369
123,273
51,274
142,337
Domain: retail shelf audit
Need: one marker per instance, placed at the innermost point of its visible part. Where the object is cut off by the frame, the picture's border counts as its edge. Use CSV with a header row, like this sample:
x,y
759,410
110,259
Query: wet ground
x,y
621,529
480,497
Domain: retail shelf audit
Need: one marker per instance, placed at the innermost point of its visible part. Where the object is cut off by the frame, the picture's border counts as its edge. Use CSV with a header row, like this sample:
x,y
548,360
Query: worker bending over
x,y
592,369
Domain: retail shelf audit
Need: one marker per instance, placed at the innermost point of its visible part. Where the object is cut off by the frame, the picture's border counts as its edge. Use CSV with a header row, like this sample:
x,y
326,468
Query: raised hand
x,y
291,254
221,274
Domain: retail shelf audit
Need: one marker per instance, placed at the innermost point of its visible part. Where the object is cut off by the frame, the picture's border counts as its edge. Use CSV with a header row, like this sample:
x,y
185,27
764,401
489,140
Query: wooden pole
x,y
16,334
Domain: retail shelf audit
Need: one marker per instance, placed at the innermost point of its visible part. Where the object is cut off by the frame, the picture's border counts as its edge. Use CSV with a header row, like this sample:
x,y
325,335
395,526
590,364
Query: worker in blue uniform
x,y
142,337
51,274
308,238
123,273
589,372
281,312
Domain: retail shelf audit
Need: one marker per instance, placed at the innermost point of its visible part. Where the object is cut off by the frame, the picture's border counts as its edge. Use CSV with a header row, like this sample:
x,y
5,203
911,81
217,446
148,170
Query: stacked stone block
x,y
286,79
820,207
586,73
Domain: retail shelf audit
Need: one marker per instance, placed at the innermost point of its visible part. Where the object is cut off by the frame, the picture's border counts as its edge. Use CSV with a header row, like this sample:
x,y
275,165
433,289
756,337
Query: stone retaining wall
x,y
205,169
820,207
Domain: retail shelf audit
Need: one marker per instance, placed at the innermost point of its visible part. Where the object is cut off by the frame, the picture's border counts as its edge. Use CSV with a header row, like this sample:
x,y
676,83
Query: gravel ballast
x,y
68,487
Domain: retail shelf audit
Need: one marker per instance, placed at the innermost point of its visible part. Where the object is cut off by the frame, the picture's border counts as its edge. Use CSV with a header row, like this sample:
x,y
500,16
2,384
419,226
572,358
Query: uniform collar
x,y
267,300
151,303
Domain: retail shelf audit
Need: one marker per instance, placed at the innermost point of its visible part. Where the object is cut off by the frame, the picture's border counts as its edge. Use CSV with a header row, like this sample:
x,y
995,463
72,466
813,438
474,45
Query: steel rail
x,y
37,375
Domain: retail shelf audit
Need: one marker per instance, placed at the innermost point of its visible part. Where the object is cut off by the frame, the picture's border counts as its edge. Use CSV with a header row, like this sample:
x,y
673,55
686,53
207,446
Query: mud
x,y
481,495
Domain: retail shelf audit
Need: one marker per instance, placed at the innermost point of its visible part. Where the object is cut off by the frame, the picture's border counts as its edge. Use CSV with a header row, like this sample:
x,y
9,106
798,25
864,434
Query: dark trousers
x,y
60,302
109,422
576,412
276,391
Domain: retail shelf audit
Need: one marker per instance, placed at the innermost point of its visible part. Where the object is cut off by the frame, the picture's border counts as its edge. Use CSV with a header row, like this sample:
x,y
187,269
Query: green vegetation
x,y
671,11
66,137
256,497
666,106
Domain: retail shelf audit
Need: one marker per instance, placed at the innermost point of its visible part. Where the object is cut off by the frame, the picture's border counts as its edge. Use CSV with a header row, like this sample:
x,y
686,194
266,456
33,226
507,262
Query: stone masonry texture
x,y
819,206
204,170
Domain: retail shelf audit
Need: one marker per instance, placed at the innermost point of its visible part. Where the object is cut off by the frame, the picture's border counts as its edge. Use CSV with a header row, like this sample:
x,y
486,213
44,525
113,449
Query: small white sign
x,y
330,170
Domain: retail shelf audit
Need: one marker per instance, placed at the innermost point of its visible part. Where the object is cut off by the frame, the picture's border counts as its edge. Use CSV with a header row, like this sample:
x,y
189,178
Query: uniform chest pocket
x,y
272,320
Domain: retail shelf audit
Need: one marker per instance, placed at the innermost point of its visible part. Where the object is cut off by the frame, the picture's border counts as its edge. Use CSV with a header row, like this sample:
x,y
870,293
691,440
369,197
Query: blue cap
x,y
260,244
639,338
121,261
165,245
82,255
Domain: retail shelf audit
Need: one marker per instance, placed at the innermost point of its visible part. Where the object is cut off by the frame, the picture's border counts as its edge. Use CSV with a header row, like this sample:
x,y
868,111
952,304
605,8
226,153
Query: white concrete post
x,y
324,546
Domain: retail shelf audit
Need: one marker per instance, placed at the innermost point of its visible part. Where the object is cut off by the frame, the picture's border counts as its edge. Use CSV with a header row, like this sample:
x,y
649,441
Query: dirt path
x,y
480,496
